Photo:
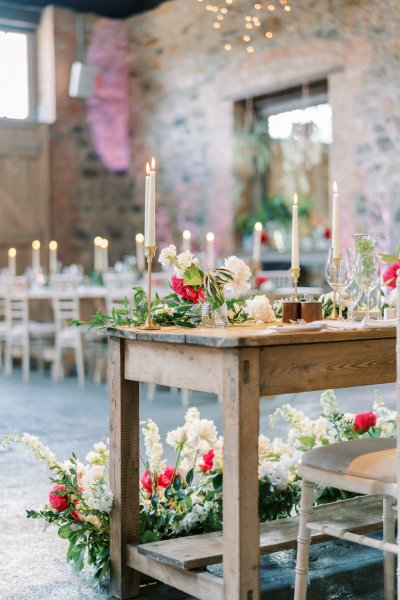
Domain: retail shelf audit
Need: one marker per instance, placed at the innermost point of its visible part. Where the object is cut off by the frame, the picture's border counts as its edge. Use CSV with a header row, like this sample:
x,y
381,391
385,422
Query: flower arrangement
x,y
389,277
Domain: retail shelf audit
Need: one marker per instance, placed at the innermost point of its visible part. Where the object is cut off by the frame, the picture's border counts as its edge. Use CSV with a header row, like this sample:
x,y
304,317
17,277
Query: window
x,y
14,75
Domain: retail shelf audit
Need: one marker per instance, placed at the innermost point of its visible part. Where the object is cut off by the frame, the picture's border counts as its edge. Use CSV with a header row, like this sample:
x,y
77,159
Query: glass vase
x,y
214,317
367,272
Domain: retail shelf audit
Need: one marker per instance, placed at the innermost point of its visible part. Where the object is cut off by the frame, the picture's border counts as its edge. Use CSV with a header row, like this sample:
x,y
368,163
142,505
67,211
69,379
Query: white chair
x,y
367,466
20,330
66,309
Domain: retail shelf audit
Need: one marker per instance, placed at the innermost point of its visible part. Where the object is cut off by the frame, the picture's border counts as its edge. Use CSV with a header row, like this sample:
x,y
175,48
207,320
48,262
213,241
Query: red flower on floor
x,y
146,482
208,462
390,275
364,421
259,280
58,502
165,477
187,292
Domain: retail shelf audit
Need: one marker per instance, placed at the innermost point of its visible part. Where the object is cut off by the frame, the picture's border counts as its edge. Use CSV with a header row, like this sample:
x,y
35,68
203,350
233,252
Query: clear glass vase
x,y
214,317
367,272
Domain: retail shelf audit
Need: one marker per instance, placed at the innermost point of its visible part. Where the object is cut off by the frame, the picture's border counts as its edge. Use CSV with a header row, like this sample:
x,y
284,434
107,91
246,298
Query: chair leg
x,y
25,361
57,366
303,540
80,367
8,365
388,536
185,397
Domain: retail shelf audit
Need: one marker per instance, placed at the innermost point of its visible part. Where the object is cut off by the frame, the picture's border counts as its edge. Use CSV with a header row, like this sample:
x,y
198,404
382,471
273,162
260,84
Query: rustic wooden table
x,y
241,364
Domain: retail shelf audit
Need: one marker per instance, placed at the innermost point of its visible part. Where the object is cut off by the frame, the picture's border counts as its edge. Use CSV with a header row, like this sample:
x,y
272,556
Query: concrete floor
x,y
67,419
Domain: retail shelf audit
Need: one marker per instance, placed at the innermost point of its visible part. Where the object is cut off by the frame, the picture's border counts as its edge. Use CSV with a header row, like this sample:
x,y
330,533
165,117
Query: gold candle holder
x,y
334,315
296,277
149,252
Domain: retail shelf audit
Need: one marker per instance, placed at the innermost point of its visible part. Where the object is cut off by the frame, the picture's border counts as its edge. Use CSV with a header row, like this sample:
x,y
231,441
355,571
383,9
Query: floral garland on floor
x,y
186,498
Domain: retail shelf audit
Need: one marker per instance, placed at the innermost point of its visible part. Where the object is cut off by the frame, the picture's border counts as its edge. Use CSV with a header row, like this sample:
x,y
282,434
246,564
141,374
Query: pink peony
x,y
187,292
146,482
60,503
390,275
364,421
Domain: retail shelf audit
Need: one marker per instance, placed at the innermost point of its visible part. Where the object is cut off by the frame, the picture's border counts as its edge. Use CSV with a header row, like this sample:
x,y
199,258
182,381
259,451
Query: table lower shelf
x,y
358,515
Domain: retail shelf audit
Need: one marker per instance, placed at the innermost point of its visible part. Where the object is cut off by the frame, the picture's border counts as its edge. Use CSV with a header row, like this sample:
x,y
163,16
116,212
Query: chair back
x,y
118,286
16,302
65,308
64,282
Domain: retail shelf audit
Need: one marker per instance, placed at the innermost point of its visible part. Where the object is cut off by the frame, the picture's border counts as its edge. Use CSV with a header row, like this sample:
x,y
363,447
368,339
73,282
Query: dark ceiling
x,y
115,9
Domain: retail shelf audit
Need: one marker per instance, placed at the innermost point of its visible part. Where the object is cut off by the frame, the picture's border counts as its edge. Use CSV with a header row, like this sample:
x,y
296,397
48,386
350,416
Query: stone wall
x,y
183,86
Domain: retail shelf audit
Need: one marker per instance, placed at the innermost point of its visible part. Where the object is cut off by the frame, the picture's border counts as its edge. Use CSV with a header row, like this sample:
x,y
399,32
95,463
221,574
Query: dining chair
x,y
364,466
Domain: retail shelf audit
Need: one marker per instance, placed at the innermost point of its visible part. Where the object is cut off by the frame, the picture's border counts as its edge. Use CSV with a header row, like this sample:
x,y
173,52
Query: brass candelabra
x,y
296,277
334,316
149,252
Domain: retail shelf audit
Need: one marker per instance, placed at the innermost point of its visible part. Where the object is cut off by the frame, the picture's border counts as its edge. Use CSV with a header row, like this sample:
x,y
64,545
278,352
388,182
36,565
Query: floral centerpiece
x,y
389,277
186,496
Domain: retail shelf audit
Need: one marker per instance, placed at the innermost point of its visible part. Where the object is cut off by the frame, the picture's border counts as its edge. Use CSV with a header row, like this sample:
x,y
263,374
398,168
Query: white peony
x,y
177,437
260,309
241,275
192,414
166,254
202,435
185,260
100,447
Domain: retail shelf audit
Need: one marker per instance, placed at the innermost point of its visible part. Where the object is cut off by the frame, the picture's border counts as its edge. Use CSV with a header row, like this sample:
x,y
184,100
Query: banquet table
x,y
241,364
85,292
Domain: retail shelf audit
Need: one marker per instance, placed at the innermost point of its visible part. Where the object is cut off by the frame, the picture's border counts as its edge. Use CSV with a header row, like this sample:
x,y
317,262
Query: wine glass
x,y
338,275
351,297
367,274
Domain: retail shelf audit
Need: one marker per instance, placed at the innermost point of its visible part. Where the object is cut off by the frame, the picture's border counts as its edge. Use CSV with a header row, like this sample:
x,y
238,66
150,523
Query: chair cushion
x,y
366,458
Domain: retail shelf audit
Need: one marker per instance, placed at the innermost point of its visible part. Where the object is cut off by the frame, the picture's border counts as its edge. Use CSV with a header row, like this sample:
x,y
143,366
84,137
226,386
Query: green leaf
x,y
149,536
217,482
155,501
65,531
389,258
192,276
177,483
189,477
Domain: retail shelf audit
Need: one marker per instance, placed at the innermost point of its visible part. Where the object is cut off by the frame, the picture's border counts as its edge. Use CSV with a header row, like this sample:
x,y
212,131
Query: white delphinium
x,y
153,446
80,468
39,451
260,309
277,472
93,474
98,496
279,447
192,414
166,255
241,274
264,447
329,403
98,456
386,418
197,515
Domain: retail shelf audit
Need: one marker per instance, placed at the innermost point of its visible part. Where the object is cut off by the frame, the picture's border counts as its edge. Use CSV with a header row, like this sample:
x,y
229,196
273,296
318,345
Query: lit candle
x,y
210,251
140,252
97,254
295,234
12,261
186,240
36,255
335,222
53,257
257,244
104,255
150,209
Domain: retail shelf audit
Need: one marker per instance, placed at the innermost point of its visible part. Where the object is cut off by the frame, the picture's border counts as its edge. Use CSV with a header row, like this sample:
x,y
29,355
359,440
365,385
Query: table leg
x,y
241,522
124,471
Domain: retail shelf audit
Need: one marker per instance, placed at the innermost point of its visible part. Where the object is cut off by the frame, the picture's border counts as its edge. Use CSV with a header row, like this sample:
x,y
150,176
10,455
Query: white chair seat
x,y
37,329
369,459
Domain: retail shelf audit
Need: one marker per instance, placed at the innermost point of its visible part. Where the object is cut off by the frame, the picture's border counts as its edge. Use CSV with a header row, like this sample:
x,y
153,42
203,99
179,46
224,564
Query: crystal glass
x,y
338,275
214,317
351,296
366,269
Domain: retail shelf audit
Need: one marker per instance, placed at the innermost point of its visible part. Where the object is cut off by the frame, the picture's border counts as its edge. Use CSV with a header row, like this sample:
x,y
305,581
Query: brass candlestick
x,y
336,263
149,252
296,277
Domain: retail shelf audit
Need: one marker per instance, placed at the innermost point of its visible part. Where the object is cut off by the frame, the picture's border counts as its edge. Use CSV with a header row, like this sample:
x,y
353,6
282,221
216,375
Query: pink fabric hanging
x,y
107,109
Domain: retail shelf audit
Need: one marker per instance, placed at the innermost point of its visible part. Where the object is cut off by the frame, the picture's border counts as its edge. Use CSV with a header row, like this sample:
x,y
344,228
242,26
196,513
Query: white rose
x,y
241,275
92,457
177,437
100,447
260,309
166,254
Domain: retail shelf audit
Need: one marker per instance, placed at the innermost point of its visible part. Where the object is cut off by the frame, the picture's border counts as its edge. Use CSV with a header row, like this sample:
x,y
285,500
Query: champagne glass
x,y
367,275
351,297
338,275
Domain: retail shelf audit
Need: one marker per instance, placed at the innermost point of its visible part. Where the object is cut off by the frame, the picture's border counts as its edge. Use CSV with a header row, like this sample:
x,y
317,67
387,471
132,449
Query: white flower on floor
x,y
153,446
259,308
241,275
329,403
94,473
98,496
40,452
80,468
166,254
276,472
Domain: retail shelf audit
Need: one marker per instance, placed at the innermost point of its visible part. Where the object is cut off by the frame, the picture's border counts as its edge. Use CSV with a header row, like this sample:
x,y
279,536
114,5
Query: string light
x,y
259,14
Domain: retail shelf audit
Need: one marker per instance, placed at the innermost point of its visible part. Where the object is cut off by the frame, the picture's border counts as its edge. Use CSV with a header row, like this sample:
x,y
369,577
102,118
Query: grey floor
x,y
67,419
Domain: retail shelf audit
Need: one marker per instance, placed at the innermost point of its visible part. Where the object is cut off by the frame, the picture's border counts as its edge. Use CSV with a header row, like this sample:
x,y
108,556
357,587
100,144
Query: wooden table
x,y
240,363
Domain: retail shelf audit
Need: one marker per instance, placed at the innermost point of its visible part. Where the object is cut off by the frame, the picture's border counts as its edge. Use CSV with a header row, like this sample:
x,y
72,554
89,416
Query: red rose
x,y
165,478
75,515
146,482
187,292
208,462
364,421
259,280
327,233
61,502
390,275
264,238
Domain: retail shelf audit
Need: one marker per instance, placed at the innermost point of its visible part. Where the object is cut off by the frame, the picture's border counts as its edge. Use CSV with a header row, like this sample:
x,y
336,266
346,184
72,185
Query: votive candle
x,y
12,261
104,255
140,262
186,241
36,255
53,257
210,251
97,254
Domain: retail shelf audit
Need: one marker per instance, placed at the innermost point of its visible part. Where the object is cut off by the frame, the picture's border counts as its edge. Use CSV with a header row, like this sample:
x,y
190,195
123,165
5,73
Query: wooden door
x,y
24,189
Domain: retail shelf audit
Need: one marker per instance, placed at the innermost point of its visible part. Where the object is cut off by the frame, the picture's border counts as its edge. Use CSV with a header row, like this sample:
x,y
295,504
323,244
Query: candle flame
x,y
210,237
104,243
36,244
97,240
12,252
147,169
153,164
186,235
295,199
139,238
53,245
258,226
334,187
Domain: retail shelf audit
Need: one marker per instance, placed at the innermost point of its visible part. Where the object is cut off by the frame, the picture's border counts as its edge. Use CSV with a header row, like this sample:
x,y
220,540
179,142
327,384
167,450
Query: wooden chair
x,y
367,466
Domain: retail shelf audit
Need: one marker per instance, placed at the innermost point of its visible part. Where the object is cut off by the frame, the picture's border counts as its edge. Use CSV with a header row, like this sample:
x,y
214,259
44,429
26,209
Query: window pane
x,y
14,93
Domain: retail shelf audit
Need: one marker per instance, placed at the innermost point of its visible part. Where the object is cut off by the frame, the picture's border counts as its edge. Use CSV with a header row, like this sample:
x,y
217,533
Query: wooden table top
x,y
253,335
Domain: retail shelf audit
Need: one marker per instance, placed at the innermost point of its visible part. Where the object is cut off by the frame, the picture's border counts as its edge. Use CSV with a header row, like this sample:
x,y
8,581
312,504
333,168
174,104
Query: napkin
x,y
379,322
